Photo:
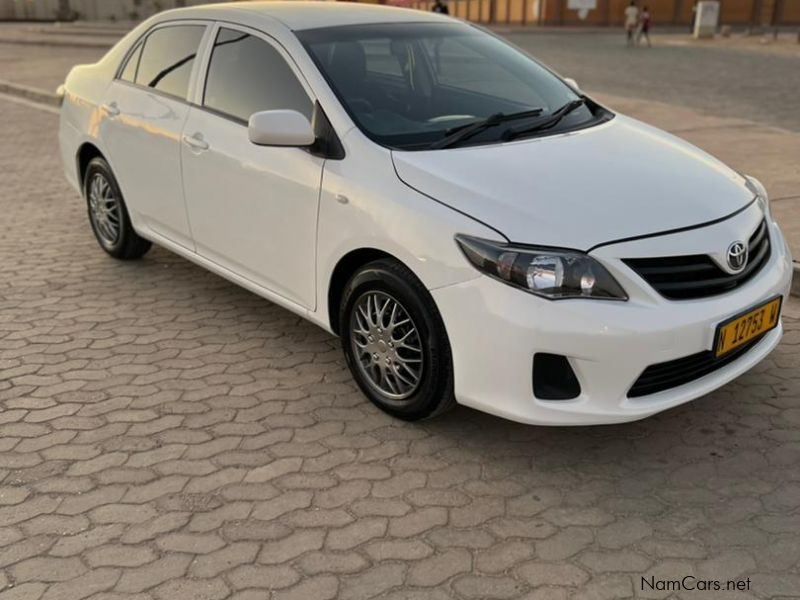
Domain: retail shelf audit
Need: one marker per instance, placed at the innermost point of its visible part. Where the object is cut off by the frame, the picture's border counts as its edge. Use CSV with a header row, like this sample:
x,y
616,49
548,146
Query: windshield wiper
x,y
547,122
459,134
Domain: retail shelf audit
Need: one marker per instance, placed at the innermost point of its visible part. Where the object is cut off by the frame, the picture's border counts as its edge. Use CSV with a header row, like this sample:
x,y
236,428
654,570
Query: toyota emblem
x,y
737,256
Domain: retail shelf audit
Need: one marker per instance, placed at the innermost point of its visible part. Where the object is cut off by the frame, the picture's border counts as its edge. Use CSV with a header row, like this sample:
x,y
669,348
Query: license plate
x,y
742,328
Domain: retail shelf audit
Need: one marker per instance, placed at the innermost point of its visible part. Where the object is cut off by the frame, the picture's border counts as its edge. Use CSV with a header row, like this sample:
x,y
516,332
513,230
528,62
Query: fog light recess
x,y
553,378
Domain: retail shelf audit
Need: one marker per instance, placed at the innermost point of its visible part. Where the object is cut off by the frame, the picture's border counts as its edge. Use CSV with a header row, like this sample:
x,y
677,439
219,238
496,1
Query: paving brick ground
x,y
713,77
43,67
165,435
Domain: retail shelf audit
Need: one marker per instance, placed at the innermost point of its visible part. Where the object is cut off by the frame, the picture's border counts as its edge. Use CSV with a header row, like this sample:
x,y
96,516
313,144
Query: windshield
x,y
409,85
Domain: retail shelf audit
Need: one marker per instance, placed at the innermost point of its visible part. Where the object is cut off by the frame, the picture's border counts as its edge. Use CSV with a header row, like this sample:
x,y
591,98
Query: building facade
x,y
513,12
90,10
757,13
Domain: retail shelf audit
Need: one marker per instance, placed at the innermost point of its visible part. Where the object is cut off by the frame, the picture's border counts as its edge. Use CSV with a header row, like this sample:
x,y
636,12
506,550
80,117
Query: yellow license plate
x,y
742,328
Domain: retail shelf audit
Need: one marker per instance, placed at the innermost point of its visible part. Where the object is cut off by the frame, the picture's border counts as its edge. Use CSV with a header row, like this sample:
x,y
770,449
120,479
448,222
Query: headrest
x,y
348,62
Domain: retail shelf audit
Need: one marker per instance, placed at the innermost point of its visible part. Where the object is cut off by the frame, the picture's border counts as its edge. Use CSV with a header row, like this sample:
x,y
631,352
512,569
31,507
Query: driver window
x,y
248,75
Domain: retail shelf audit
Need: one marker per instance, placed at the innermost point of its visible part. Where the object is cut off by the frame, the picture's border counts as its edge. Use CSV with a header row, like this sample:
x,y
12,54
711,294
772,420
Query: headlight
x,y
760,191
553,274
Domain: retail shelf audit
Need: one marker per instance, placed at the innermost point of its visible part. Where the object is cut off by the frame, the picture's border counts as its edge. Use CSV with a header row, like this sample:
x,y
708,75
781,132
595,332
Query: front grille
x,y
670,374
697,275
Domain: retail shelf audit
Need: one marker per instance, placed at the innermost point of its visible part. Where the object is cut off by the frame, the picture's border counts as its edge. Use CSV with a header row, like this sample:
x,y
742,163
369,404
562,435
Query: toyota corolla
x,y
472,226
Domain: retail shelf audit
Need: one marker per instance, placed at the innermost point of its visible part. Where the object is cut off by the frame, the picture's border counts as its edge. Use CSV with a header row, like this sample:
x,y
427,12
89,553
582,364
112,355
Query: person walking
x,y
631,21
644,27
440,7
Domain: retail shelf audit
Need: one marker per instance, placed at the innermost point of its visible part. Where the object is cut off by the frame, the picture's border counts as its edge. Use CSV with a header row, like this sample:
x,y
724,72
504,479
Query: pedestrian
x,y
440,7
694,17
631,21
644,27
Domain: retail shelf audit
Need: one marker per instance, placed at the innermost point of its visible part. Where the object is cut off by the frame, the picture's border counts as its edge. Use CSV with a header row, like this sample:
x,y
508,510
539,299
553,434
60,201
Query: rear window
x,y
168,58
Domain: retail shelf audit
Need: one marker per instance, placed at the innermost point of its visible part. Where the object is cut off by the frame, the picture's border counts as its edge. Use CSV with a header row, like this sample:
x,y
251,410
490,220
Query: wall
x,y
610,12
514,12
118,10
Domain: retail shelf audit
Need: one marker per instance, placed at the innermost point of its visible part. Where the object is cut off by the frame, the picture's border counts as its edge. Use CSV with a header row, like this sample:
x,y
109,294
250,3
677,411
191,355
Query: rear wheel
x,y
395,342
108,215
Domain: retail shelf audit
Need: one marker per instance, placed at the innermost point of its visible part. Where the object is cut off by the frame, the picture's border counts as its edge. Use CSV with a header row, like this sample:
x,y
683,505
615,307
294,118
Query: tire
x,y
108,214
381,349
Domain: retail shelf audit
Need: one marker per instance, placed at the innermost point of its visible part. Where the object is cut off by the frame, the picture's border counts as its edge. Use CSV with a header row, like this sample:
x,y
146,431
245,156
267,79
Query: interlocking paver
x,y
165,434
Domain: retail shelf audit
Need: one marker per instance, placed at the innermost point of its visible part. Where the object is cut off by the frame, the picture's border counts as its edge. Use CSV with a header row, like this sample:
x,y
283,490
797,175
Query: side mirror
x,y
280,128
573,84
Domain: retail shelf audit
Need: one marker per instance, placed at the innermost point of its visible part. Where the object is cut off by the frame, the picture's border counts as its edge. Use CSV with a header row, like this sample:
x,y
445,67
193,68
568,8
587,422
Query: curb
x,y
84,31
30,93
57,43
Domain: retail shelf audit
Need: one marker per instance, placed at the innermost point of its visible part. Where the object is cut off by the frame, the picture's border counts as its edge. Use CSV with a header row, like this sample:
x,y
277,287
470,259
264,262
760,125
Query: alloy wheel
x,y
386,345
104,209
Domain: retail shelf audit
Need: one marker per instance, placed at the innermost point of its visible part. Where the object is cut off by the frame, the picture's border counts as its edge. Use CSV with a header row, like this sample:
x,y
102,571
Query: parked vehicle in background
x,y
472,226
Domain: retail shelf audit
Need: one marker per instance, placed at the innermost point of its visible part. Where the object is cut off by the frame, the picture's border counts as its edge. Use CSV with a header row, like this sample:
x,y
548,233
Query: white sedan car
x,y
473,227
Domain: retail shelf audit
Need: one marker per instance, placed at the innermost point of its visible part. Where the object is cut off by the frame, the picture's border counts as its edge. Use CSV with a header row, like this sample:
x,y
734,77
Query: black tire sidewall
x,y
436,385
98,165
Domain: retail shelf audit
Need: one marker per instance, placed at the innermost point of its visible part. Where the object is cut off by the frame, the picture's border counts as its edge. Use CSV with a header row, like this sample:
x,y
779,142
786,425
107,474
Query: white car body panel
x,y
608,343
611,192
278,221
296,16
275,204
145,141
363,205
253,209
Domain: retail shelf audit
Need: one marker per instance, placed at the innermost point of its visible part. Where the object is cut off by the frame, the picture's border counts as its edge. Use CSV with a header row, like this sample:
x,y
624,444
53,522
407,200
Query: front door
x,y
253,209
145,112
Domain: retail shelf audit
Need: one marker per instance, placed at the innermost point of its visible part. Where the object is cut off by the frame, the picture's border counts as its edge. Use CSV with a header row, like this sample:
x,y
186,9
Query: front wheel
x,y
395,342
108,215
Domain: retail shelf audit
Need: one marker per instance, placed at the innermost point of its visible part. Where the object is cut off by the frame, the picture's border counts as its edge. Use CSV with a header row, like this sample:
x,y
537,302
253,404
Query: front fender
x,y
363,204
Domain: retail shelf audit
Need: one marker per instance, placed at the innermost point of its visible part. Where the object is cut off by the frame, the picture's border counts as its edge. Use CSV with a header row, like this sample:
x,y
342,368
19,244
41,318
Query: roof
x,y
300,14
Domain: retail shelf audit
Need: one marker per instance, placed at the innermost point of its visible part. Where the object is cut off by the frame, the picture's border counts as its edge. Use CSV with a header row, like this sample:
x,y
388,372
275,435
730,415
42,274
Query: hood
x,y
616,180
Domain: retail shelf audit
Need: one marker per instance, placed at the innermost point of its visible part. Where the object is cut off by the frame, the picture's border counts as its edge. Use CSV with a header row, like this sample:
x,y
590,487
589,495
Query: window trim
x,y
197,81
205,66
137,47
142,42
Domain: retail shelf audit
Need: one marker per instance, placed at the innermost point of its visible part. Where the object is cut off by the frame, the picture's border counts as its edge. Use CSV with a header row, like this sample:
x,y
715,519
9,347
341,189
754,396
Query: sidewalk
x,y
768,153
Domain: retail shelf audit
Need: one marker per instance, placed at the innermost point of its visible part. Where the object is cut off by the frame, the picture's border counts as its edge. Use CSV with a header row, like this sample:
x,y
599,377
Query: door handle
x,y
111,109
196,141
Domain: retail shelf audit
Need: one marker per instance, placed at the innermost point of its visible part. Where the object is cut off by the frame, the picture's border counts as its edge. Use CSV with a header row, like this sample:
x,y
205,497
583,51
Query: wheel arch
x,y
86,152
341,274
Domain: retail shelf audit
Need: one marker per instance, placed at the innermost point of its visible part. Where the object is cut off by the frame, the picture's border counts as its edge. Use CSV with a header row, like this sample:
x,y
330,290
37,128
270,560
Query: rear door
x,y
145,110
253,209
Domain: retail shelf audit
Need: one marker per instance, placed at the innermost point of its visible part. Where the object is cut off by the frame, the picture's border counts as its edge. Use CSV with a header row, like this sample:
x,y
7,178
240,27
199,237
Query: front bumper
x,y
495,330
